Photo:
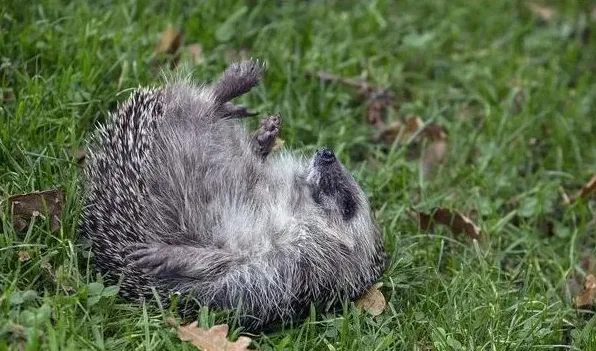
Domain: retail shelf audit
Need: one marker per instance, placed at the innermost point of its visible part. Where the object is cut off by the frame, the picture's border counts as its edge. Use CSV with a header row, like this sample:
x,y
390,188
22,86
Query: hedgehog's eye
x,y
336,199
315,192
347,204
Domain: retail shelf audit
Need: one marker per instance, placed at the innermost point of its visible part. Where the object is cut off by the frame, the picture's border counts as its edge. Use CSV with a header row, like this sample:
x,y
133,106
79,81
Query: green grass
x,y
64,65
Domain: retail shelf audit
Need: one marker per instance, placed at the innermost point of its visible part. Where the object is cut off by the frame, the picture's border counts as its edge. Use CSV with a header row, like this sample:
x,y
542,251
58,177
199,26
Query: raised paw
x,y
238,79
264,138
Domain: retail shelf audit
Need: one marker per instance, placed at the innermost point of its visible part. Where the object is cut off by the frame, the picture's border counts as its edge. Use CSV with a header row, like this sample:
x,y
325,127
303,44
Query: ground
x,y
511,83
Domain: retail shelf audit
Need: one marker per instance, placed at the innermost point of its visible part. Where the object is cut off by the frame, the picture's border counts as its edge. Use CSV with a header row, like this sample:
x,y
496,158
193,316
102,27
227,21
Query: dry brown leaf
x,y
24,256
542,11
170,41
454,220
168,45
401,133
413,124
196,54
378,99
586,191
373,301
586,297
46,203
213,339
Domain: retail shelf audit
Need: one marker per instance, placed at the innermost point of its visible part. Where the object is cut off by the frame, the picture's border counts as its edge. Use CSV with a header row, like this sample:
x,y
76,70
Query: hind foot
x,y
264,138
238,80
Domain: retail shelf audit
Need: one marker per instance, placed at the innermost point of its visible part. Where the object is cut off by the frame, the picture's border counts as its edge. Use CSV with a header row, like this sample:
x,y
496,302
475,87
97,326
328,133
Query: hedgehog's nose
x,y
325,156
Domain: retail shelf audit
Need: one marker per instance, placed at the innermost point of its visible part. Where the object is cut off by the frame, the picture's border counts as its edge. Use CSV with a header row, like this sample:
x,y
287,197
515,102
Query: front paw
x,y
264,138
150,259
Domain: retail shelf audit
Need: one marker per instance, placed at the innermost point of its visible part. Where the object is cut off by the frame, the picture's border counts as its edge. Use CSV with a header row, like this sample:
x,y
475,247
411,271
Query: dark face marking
x,y
335,184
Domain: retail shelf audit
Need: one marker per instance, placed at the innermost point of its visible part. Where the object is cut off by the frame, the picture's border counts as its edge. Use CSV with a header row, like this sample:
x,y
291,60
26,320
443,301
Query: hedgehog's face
x,y
334,190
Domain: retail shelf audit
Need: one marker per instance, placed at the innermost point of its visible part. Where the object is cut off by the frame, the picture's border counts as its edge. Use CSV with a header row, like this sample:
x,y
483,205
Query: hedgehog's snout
x,y
325,157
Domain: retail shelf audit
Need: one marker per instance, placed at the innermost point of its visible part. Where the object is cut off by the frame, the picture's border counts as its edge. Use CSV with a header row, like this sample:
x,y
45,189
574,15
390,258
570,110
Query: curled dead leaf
x,y
378,99
46,203
170,41
213,339
454,220
372,301
168,45
401,133
585,299
414,123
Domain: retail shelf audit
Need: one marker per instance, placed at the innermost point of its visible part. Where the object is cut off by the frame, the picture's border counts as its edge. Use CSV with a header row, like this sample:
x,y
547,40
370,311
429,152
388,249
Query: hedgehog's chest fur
x,y
231,200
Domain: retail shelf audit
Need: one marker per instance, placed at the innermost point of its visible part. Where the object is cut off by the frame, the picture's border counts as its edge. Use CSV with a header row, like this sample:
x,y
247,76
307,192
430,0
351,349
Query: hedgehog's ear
x,y
238,80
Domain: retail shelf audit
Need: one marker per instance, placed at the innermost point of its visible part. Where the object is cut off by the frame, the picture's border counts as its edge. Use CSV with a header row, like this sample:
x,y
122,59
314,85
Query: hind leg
x,y
264,138
178,261
238,80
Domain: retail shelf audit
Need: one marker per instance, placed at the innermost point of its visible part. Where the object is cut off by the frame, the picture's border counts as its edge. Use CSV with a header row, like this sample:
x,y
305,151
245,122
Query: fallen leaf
x,y
378,99
170,41
168,45
545,13
46,203
414,123
586,297
372,301
213,339
24,256
454,220
401,133
586,191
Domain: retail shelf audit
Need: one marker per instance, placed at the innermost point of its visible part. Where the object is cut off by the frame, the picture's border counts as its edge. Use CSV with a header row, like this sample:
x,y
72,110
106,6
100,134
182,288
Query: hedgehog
x,y
180,198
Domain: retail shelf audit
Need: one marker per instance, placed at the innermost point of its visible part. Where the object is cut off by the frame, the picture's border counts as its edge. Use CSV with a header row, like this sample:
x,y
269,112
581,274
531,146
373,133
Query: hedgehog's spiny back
x,y
113,213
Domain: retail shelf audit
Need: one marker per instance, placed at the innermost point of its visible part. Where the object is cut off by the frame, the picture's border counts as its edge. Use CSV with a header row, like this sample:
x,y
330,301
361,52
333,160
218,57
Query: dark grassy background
x,y
514,92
